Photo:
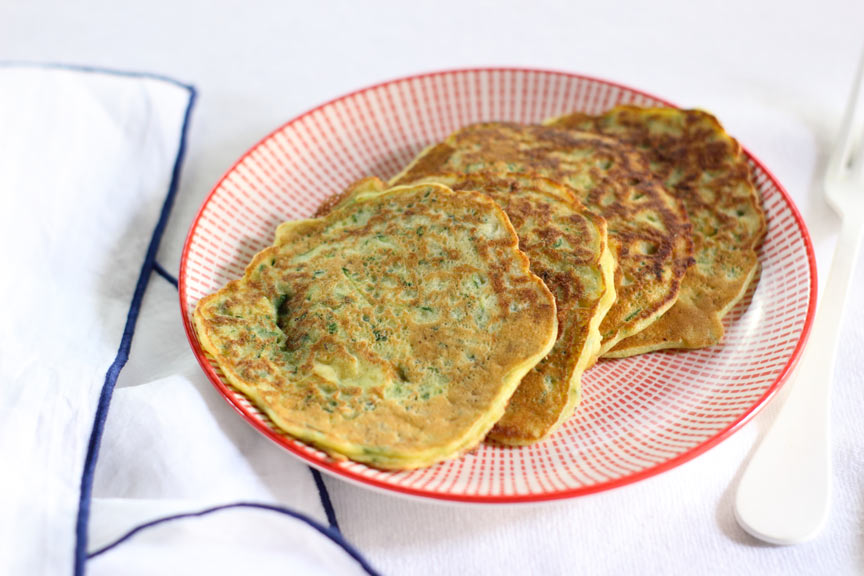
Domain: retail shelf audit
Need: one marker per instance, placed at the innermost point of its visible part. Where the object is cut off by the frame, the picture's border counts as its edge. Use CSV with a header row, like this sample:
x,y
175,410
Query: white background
x,y
776,73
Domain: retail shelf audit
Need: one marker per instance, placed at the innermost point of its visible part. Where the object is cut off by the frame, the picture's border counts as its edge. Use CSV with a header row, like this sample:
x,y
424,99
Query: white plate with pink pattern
x,y
639,416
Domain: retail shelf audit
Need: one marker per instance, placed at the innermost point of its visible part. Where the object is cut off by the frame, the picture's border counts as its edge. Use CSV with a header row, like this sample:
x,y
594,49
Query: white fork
x,y
784,494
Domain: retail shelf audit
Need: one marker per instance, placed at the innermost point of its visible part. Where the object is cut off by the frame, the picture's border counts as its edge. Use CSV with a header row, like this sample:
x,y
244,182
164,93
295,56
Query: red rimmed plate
x,y
639,416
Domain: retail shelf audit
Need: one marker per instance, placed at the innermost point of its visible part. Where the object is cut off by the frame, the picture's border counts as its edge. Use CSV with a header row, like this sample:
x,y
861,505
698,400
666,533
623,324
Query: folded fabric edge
x,y
96,70
147,267
330,532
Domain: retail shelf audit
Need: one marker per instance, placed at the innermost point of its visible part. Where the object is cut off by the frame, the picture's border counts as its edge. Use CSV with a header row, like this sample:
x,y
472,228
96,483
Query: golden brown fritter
x,y
568,249
704,167
648,229
392,331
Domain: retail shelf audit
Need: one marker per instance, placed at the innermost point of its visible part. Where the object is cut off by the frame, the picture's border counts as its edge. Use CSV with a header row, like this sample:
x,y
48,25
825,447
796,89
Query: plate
x,y
639,416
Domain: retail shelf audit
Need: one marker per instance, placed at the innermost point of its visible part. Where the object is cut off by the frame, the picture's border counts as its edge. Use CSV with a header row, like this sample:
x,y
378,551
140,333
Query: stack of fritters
x,y
465,298
702,166
648,228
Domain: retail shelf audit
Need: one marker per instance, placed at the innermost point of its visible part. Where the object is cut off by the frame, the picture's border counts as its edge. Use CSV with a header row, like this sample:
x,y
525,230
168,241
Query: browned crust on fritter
x,y
705,168
648,229
338,333
368,184
564,243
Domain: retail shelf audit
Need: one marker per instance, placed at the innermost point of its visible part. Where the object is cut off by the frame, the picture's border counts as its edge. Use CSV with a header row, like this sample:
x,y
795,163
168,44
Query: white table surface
x,y
776,73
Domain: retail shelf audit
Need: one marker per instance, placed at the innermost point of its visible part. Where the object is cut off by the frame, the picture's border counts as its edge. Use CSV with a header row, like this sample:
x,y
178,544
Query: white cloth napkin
x,y
89,166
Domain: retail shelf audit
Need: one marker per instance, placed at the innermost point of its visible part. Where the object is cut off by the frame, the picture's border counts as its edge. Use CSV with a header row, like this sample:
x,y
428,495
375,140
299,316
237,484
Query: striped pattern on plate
x,y
639,416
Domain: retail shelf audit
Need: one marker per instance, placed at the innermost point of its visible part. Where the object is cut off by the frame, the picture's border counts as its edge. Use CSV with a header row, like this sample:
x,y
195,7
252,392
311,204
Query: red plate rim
x,y
339,472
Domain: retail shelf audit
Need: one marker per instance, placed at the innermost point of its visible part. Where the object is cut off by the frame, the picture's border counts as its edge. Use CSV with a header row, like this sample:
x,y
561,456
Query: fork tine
x,y
849,138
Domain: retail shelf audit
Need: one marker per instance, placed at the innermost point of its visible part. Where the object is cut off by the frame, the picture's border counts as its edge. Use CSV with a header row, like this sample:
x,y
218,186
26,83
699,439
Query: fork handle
x,y
785,492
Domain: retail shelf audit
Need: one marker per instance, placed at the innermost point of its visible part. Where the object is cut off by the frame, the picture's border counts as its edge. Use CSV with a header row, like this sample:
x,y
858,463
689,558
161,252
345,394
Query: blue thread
x,y
333,534
324,496
128,332
95,70
159,269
